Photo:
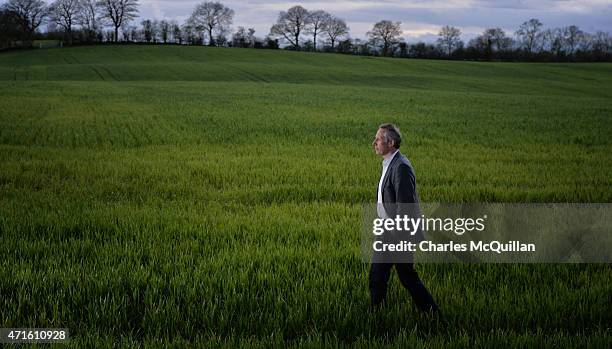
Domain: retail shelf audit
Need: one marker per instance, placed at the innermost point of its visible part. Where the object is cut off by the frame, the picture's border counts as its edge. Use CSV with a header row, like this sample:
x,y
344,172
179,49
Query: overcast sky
x,y
421,19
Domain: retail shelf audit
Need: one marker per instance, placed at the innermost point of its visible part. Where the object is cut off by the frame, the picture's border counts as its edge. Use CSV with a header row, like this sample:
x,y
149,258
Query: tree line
x,y
101,21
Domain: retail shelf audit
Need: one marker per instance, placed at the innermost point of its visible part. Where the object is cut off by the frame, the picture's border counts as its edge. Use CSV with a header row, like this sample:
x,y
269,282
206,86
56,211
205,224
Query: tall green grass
x,y
156,195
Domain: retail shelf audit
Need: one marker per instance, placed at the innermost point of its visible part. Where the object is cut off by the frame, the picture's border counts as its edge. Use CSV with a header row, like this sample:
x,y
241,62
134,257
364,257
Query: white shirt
x,y
379,207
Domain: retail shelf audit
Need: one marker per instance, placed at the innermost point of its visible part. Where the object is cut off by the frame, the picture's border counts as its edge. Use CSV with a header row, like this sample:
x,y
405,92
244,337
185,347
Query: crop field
x,y
155,195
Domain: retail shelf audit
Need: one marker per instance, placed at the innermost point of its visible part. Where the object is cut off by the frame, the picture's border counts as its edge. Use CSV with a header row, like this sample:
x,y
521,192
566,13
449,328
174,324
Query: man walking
x,y
397,186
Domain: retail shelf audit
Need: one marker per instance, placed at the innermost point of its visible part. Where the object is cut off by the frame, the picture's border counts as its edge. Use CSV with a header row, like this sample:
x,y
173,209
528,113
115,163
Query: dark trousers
x,y
379,278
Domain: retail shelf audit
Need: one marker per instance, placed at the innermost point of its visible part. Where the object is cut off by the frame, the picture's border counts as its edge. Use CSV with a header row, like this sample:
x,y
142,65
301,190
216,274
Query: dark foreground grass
x,y
213,197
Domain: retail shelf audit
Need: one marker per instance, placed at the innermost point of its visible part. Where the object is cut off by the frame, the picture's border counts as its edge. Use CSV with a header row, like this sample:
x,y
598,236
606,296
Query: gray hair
x,y
392,134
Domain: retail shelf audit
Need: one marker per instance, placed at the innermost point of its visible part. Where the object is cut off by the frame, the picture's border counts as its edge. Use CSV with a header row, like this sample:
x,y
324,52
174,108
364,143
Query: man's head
x,y
388,139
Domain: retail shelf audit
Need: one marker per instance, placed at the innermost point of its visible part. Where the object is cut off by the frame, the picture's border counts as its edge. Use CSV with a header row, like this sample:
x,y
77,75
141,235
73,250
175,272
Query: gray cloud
x,y
421,19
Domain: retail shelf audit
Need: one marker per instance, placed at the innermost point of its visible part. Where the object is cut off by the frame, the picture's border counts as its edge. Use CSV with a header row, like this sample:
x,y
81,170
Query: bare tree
x,y
118,12
212,16
243,37
317,20
125,32
490,41
449,39
177,34
499,40
65,14
571,37
239,37
189,33
291,24
553,41
164,30
251,37
133,33
147,30
155,30
87,16
528,34
602,42
386,33
29,14
9,28
193,33
221,37
495,39
335,28
108,36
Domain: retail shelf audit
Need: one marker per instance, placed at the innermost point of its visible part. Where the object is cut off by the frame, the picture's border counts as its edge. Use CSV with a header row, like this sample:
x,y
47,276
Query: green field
x,y
164,194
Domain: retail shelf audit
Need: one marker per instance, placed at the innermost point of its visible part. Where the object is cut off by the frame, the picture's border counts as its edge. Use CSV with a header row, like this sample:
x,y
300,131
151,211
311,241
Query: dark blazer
x,y
399,184
399,188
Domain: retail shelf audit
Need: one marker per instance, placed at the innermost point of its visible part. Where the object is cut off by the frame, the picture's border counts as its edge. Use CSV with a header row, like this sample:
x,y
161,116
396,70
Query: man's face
x,y
381,146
